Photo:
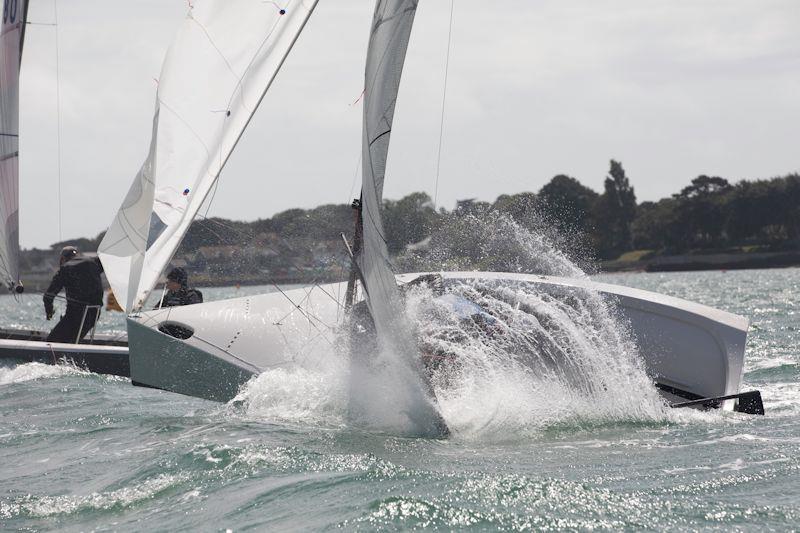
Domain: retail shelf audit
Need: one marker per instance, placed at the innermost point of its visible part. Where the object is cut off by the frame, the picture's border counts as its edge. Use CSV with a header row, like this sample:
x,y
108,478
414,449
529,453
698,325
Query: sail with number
x,y
11,39
218,68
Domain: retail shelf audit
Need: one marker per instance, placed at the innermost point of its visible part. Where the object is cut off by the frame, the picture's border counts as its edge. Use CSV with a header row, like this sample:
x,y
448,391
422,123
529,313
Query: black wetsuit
x,y
183,296
80,278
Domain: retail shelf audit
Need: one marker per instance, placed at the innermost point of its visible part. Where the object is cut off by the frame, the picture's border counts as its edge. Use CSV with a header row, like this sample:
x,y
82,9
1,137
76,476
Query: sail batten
x,y
12,34
215,75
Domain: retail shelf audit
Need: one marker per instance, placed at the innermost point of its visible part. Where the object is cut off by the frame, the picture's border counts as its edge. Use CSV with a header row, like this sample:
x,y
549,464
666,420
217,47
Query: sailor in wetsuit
x,y
79,276
178,290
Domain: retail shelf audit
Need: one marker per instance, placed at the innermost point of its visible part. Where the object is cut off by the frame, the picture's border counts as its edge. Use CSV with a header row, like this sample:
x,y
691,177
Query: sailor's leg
x,y
66,330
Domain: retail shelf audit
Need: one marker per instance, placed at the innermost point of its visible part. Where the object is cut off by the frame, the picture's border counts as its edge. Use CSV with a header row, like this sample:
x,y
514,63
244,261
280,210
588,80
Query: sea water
x,y
531,449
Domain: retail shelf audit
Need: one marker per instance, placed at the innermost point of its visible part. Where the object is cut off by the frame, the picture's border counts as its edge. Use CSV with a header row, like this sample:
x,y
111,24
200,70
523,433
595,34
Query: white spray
x,y
546,357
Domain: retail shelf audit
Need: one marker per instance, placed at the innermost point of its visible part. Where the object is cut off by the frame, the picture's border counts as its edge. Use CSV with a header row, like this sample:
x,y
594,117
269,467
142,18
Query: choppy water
x,y
84,452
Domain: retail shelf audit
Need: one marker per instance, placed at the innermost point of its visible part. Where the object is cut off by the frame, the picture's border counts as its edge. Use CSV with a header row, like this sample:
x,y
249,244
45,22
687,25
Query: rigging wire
x,y
58,117
355,178
243,234
444,102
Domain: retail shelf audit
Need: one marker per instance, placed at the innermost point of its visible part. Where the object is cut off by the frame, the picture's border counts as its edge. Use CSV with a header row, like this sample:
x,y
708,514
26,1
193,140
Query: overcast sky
x,y
672,88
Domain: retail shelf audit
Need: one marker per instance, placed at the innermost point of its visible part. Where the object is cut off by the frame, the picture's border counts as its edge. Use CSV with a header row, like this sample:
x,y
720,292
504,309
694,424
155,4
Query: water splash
x,y
298,395
494,242
537,356
34,371
387,392
542,357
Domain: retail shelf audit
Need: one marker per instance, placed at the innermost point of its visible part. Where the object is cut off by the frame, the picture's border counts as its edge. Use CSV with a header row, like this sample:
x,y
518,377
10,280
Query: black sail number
x,y
9,11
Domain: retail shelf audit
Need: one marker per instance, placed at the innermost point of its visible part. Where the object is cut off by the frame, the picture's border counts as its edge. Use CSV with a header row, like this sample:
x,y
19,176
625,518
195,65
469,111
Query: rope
x,y
444,102
58,118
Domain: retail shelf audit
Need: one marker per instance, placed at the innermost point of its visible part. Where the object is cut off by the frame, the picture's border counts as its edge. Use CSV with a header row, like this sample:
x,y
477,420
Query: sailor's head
x,y
67,253
177,278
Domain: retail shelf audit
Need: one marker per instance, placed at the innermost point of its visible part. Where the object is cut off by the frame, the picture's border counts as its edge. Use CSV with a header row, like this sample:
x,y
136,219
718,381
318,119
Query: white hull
x,y
690,350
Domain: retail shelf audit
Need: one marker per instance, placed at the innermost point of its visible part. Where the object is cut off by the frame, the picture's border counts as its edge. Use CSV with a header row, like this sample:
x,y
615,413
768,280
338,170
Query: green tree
x,y
615,212
567,203
521,207
408,220
703,210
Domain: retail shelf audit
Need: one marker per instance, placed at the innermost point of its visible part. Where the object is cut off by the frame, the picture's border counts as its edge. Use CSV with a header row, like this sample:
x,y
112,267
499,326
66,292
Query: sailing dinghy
x,y
100,353
211,350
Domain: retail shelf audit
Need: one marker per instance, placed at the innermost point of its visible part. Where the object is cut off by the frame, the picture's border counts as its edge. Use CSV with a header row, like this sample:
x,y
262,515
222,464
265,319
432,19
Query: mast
x,y
358,225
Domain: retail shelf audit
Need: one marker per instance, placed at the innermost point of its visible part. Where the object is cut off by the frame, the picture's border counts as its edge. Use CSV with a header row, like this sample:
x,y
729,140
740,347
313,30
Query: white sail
x,y
390,32
389,36
217,70
11,39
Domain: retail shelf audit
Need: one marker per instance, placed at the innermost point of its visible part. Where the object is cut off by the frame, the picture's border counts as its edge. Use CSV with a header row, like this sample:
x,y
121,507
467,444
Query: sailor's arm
x,y
55,287
193,297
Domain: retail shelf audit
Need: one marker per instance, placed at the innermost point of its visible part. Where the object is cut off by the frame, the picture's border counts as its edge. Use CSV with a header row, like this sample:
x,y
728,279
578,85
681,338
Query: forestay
x,y
217,70
11,39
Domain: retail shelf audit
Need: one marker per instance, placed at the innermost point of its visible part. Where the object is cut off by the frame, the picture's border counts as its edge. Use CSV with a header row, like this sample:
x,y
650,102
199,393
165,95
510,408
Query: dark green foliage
x,y
701,210
708,214
410,219
615,213
568,204
711,214
81,243
520,207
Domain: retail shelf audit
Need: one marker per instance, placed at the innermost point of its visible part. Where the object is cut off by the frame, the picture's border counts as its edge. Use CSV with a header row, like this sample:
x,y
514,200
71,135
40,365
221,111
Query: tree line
x,y
708,214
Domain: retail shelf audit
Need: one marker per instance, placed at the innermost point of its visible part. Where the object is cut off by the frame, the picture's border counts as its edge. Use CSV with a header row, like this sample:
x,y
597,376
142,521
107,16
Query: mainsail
x,y
221,63
389,36
11,39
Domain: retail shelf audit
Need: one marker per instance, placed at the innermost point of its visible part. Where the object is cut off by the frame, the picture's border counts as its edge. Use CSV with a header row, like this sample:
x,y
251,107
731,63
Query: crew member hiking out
x,y
79,277
178,290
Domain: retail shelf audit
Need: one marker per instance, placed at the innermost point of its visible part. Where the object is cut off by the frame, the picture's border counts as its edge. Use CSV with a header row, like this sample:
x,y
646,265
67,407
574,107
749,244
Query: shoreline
x,y
664,263
700,262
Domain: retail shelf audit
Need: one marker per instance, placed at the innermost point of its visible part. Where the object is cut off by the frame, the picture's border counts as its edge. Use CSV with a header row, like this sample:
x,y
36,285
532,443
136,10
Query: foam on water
x,y
335,394
314,396
45,506
33,371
